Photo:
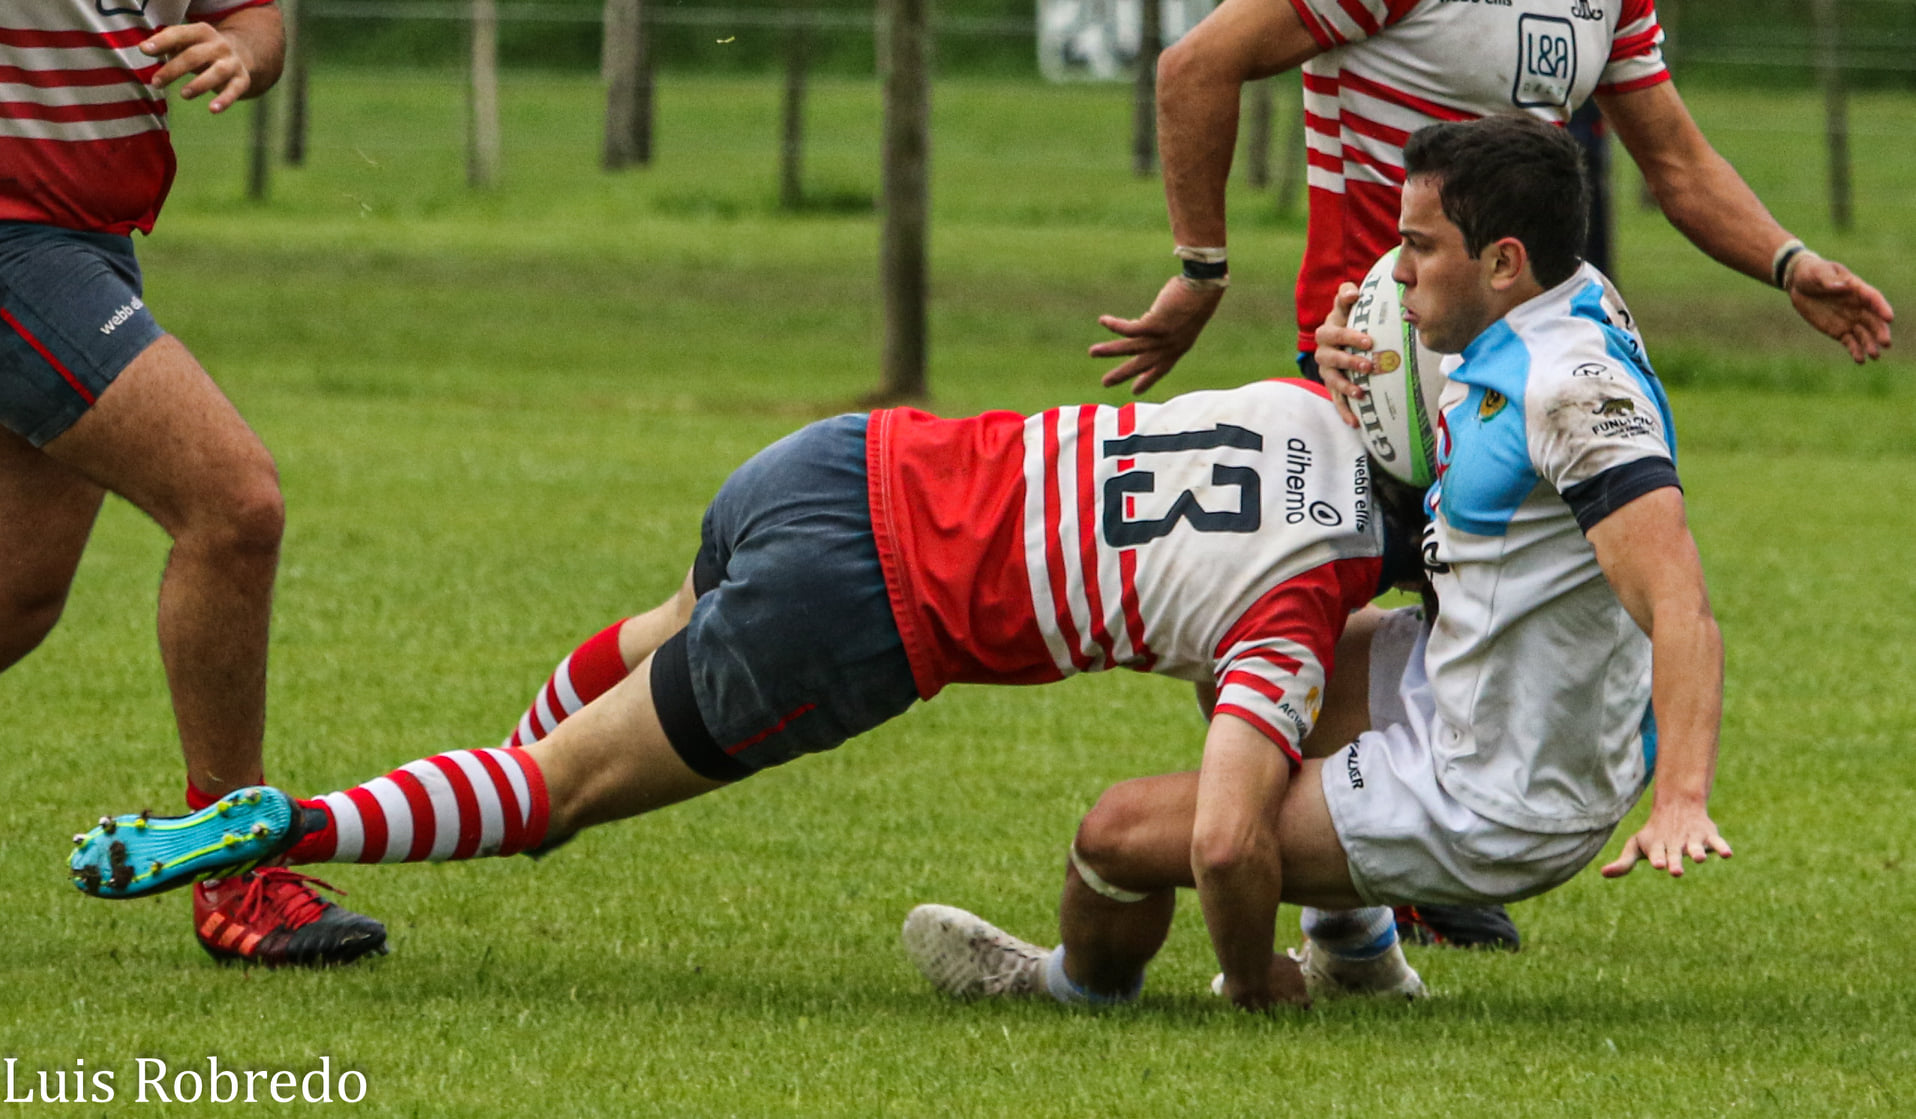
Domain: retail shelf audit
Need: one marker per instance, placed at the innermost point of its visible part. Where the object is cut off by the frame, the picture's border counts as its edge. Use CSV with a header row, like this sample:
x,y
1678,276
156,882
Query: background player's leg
x,y
48,510
165,438
1137,839
1136,844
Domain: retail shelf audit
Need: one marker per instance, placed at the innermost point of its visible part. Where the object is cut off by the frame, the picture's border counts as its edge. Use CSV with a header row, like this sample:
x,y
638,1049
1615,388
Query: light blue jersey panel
x,y
1486,464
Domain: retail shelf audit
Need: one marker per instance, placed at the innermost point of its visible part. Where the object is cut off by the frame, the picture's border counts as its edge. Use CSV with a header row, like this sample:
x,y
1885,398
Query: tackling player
x,y
863,563
1520,730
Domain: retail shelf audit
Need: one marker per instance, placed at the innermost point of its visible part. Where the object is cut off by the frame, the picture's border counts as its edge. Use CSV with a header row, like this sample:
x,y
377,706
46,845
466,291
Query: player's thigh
x,y
48,511
1316,871
1346,711
167,439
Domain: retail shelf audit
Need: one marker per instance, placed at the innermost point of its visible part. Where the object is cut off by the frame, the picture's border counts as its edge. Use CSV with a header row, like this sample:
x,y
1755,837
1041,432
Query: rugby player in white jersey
x,y
1514,734
864,563
1375,71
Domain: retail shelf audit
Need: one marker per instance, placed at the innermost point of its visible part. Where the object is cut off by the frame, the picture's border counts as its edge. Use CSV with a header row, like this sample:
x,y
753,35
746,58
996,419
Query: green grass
x,y
498,418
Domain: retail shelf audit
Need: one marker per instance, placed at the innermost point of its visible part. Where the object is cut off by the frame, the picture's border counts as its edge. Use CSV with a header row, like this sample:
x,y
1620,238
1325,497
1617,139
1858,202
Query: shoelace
x,y
287,892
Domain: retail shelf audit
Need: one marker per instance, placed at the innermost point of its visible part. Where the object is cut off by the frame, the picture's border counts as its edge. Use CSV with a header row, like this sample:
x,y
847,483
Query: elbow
x,y
1221,854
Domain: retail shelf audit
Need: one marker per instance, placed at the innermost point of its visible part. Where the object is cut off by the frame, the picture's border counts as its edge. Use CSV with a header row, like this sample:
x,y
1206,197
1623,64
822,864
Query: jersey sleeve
x,y
1599,438
1636,52
204,10
1272,665
1335,23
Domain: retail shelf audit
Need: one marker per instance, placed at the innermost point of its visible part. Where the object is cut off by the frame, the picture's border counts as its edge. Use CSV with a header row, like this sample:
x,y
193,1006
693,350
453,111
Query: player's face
x,y
1447,295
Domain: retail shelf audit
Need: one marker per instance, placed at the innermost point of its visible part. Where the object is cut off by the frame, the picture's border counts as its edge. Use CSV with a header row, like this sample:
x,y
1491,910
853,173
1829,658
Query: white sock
x,y
1352,934
1059,985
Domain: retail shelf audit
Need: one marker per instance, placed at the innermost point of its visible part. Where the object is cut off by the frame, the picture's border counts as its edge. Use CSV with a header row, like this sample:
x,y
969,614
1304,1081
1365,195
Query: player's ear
x,y
1509,262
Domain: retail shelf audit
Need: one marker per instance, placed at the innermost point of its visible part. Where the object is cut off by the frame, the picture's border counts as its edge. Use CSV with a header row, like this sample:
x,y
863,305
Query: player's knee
x,y
1110,834
249,517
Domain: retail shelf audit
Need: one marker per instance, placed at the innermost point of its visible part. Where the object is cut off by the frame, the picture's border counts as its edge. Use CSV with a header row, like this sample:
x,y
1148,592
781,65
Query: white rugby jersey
x,y
1218,535
1391,67
83,141
1552,420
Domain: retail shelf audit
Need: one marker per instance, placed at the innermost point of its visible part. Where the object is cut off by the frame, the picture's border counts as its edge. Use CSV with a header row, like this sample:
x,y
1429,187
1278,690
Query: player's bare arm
x,y
1236,862
1651,560
1705,198
238,57
1199,79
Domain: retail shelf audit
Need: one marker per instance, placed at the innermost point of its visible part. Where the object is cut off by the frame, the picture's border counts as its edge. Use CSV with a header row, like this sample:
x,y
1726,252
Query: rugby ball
x,y
1398,412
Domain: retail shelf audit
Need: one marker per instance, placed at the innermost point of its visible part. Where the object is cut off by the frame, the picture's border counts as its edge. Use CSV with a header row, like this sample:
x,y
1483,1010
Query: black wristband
x,y
1206,270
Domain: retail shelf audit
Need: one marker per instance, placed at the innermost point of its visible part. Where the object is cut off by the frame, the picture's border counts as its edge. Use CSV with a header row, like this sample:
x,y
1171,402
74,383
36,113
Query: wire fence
x,y
798,39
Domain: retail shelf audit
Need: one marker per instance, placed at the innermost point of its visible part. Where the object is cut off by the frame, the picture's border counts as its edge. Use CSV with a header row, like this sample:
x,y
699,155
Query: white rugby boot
x,y
1331,977
967,957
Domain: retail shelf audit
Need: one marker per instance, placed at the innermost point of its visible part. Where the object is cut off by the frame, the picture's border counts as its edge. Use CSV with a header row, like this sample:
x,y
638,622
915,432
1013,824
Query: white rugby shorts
x,y
1409,841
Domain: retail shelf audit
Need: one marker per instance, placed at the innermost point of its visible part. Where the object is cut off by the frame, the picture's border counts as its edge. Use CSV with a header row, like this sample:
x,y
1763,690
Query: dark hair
x,y
1509,176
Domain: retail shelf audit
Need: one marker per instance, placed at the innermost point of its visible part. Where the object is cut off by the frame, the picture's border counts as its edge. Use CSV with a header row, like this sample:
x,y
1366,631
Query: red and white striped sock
x,y
462,805
587,673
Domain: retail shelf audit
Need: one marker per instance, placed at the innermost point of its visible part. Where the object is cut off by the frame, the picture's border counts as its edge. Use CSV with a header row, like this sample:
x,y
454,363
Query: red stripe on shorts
x,y
64,372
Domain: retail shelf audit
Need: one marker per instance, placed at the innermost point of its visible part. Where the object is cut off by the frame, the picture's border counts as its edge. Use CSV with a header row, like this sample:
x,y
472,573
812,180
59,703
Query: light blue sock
x,y
1352,934
1060,986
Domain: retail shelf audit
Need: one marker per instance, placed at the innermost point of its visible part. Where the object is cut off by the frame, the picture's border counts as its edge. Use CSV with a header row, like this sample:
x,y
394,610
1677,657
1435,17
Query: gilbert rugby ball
x,y
1399,410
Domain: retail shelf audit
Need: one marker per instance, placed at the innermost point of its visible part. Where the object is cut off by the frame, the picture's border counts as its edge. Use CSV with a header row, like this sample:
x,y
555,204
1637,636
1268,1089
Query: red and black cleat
x,y
275,917
1459,926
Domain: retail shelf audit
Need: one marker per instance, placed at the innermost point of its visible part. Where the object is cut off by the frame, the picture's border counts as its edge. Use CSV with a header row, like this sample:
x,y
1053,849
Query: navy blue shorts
x,y
792,647
71,319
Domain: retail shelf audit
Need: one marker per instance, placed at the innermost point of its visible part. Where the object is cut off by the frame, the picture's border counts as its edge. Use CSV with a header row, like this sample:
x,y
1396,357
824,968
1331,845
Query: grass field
x,y
498,418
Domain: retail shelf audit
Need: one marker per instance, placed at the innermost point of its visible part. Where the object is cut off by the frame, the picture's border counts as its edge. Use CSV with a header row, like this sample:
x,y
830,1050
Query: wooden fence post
x,y
906,155
1829,73
294,83
1257,157
258,164
482,101
1144,96
627,68
791,179
1292,172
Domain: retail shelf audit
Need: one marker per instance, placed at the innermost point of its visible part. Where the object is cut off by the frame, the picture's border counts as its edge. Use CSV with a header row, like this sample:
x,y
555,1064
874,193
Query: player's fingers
x,y
1123,347
1720,845
171,39
1625,859
220,79
1696,850
1116,325
1148,378
1120,375
1344,410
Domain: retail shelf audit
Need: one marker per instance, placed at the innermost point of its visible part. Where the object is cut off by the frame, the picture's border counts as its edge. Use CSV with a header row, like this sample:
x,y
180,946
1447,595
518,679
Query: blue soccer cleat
x,y
135,856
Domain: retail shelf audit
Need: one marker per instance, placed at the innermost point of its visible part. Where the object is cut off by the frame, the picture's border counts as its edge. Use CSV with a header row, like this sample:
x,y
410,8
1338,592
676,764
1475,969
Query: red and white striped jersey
x,y
83,141
1218,535
1390,67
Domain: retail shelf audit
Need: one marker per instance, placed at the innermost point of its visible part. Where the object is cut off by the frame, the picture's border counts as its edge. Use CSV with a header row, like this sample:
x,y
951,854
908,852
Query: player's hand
x,y
1837,302
1283,985
1667,837
1335,362
1154,343
201,50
